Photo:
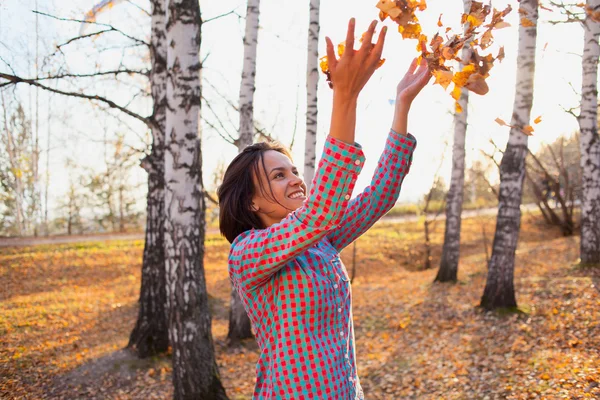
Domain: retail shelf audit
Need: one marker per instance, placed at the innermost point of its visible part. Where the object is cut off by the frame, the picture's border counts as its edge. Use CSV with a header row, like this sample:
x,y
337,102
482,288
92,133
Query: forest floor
x,y
66,311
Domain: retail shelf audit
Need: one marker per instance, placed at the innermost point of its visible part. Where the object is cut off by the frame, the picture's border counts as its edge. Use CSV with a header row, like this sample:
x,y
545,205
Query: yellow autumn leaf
x,y
458,108
456,92
410,31
443,78
537,120
341,48
501,25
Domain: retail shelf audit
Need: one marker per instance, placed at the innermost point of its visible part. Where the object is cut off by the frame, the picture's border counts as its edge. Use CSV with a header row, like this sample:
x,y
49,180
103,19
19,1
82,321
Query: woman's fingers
x,y
367,40
331,58
350,37
378,49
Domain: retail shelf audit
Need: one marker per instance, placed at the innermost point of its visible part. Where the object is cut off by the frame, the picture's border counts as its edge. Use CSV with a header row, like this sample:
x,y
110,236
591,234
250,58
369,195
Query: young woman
x,y
284,260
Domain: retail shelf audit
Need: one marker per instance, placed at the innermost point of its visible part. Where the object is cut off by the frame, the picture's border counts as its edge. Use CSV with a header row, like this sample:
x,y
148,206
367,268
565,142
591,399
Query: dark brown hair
x,y
236,192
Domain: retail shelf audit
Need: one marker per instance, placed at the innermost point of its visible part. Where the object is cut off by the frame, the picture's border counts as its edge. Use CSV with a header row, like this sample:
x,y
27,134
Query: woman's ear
x,y
254,207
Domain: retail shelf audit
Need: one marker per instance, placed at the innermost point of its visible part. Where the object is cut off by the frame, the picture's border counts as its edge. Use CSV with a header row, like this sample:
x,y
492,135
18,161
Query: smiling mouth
x,y
296,195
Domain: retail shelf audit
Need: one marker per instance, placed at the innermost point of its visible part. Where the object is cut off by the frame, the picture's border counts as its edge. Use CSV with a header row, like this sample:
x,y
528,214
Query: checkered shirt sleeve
x,y
259,253
381,195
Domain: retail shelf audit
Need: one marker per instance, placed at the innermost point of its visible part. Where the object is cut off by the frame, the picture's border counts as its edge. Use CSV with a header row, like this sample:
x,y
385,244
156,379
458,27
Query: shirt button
x,y
347,197
341,333
357,162
335,286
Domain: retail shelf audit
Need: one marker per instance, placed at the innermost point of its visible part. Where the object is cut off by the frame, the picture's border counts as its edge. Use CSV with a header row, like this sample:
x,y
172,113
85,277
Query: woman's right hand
x,y
354,68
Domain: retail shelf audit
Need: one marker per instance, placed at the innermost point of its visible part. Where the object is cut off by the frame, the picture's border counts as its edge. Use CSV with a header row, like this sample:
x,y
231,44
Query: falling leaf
x,y
500,55
341,48
528,130
486,39
537,120
527,23
501,24
458,108
439,23
476,84
410,31
456,92
501,122
443,78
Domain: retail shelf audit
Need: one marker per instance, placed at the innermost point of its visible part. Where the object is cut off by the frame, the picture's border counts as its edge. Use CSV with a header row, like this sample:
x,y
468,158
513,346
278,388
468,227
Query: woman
x,y
284,260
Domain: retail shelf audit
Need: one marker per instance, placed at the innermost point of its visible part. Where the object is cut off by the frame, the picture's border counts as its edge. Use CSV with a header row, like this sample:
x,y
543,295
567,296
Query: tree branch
x,y
15,80
81,21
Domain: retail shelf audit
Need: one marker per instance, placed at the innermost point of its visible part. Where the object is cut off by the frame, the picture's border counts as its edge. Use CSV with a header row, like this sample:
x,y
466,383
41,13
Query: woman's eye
x,y
279,175
296,173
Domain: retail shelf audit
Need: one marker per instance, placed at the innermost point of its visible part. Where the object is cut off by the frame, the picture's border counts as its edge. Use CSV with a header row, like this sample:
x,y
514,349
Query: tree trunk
x,y
150,335
312,84
454,201
239,323
195,372
247,87
499,290
589,140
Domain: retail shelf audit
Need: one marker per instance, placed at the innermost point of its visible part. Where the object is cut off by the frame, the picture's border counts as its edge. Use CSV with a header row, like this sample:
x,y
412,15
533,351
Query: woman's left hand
x,y
411,84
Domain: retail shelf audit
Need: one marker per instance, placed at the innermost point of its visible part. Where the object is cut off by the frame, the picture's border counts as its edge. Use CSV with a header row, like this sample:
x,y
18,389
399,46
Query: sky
x,y
76,128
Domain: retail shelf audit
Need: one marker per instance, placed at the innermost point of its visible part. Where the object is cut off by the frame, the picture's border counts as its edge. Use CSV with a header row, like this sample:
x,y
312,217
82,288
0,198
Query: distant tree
x,y
499,290
17,189
589,139
554,176
451,250
239,323
195,372
312,84
112,195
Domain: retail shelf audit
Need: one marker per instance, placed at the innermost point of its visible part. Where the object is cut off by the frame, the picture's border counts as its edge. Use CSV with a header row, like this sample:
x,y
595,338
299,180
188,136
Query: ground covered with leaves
x,y
66,312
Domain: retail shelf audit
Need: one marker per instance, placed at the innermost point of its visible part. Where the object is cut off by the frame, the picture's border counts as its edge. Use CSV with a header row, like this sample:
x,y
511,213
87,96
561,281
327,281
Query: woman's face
x,y
287,189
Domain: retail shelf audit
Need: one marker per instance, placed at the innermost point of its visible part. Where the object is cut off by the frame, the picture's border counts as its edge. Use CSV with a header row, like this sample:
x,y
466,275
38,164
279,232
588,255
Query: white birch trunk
x,y
150,334
451,251
239,323
195,373
312,83
499,290
247,87
590,141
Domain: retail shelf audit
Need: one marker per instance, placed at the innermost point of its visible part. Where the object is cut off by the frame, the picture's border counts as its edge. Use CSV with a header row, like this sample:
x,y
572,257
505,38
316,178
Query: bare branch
x,y
145,73
15,80
219,16
81,21
210,198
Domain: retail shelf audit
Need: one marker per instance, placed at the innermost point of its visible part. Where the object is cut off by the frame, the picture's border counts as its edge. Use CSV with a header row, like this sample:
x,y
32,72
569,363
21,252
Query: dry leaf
x,y
537,120
443,78
526,22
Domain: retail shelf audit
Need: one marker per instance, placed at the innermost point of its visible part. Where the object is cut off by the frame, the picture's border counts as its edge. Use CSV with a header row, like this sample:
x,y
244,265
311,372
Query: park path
x,y
32,241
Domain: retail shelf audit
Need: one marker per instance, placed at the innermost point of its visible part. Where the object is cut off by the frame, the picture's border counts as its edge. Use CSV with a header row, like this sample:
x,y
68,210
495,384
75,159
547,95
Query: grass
x,y
67,310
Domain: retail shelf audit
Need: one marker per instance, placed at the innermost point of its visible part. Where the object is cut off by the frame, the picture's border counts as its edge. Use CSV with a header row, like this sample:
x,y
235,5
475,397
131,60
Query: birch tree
x,y
312,83
454,200
150,334
195,373
239,323
499,290
589,140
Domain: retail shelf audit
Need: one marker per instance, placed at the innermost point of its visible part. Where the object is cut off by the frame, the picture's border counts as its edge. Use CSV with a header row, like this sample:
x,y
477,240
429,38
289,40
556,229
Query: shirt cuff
x,y
344,155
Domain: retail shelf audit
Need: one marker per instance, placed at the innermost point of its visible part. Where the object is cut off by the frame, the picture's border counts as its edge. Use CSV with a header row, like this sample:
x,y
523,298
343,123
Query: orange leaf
x,y
439,23
458,108
443,78
501,122
410,31
526,22
500,55
456,92
528,130
476,84
537,120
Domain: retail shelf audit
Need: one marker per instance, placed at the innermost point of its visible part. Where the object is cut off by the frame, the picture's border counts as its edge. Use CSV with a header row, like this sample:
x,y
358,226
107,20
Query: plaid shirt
x,y
296,289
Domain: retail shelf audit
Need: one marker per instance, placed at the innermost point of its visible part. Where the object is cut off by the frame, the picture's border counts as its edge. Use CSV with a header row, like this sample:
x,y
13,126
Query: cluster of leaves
x,y
439,50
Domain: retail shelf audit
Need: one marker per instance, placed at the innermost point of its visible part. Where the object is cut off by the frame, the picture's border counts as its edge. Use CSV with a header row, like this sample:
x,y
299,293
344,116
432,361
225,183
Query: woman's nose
x,y
296,181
